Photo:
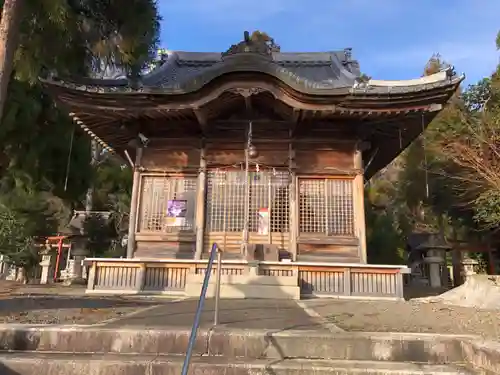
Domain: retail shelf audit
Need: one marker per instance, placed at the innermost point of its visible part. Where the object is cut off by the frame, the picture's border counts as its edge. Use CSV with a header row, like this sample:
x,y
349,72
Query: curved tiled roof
x,y
184,72
316,73
323,69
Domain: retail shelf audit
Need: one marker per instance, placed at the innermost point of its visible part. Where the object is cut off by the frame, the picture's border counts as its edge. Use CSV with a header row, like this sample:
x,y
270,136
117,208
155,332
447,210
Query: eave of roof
x,y
371,94
339,82
369,98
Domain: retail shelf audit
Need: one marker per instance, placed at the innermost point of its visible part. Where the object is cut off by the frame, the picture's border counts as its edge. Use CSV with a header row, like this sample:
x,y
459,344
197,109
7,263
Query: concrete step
x,y
91,364
246,286
251,344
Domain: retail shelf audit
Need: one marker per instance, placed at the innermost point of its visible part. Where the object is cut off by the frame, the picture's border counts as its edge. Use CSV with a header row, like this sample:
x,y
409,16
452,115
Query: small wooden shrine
x,y
253,148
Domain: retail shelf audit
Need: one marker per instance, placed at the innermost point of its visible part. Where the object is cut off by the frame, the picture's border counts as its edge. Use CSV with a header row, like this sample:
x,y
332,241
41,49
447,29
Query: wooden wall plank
x,y
171,159
332,161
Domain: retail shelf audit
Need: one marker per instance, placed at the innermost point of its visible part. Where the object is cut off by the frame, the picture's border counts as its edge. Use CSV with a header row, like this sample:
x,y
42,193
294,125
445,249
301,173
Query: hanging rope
x,y
426,172
68,162
249,135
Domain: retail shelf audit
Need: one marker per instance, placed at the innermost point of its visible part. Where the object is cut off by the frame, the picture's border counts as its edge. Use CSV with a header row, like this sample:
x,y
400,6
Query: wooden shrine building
x,y
253,149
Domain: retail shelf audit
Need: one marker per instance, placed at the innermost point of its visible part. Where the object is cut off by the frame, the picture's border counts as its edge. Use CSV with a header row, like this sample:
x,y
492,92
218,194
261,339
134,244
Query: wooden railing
x,y
129,276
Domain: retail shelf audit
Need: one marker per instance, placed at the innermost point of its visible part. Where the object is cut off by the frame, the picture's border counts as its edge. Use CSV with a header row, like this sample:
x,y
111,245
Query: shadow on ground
x,y
4,370
25,303
234,313
411,292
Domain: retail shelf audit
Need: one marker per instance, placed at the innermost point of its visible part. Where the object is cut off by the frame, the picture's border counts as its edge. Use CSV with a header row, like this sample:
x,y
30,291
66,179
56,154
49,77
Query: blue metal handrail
x,y
196,324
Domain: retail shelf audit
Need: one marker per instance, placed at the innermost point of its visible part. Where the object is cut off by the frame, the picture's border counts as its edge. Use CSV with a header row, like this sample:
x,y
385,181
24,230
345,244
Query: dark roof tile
x,y
322,69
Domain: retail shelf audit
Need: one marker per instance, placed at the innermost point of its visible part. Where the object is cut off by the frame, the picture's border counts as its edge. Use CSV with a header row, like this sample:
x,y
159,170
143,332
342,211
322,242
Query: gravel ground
x,y
12,288
66,310
392,316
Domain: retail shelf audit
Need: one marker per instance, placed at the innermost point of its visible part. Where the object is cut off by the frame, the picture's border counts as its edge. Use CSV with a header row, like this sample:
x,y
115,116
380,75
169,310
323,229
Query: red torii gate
x,y
465,247
59,242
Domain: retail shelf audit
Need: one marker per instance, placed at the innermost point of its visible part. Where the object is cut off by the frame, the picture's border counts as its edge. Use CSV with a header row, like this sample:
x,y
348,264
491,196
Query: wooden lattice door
x,y
233,206
326,207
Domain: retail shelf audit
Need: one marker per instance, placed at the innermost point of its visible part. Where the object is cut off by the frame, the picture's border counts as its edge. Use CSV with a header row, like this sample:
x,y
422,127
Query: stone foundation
x,y
249,285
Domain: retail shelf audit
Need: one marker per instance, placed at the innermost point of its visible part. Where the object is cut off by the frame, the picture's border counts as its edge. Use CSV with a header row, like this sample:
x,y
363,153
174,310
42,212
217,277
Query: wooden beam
x,y
134,205
156,125
282,140
296,116
201,117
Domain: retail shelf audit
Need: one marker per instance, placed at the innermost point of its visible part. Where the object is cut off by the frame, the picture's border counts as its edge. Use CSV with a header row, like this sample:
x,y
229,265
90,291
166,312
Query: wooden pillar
x,y
293,206
293,216
200,204
134,205
246,223
359,205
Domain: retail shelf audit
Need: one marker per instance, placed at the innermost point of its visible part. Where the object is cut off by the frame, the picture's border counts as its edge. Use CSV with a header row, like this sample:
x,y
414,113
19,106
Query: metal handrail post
x,y
201,302
217,287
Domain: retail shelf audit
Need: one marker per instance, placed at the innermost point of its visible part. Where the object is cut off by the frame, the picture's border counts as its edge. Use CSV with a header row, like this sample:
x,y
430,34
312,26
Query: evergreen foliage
x,y
45,159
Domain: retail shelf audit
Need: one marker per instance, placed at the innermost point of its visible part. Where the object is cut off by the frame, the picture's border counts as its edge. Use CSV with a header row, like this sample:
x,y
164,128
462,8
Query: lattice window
x,y
270,190
326,207
157,192
226,199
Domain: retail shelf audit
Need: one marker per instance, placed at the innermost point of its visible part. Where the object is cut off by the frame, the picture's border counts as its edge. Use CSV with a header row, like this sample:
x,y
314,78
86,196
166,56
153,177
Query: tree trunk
x,y
9,34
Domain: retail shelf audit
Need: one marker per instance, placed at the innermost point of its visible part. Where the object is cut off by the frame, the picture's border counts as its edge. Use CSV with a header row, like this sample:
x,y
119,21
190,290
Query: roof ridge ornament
x,y
348,54
361,82
258,43
450,71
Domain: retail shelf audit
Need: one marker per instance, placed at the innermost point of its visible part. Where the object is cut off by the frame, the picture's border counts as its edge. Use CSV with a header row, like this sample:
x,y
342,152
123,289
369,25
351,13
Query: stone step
x,y
251,344
246,286
92,364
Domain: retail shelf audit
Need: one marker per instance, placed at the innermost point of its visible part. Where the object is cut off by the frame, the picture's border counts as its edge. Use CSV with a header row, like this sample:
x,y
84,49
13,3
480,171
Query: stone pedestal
x,y
48,265
75,266
417,278
75,271
434,263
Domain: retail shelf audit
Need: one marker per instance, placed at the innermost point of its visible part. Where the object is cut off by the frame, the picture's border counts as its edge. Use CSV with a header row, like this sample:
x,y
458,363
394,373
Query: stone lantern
x,y
48,263
468,265
435,248
79,249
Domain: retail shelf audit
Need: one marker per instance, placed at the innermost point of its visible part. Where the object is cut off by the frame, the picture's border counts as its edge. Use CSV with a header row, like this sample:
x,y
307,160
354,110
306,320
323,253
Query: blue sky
x,y
392,39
